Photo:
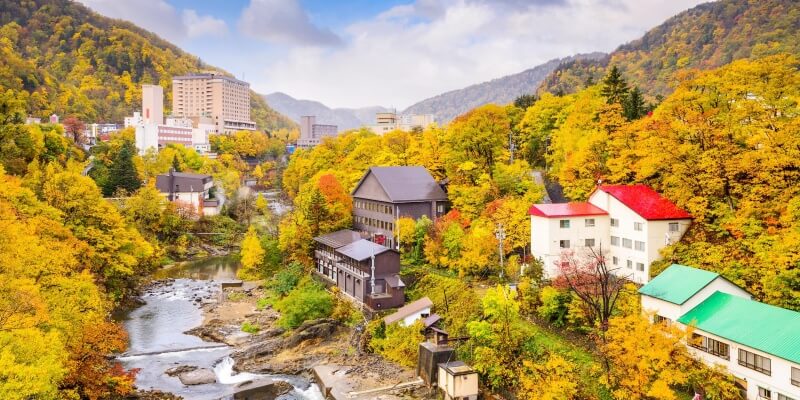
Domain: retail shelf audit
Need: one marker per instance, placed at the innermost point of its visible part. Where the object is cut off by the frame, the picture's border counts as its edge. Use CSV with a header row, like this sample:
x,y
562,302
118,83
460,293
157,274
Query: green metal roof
x,y
763,327
678,283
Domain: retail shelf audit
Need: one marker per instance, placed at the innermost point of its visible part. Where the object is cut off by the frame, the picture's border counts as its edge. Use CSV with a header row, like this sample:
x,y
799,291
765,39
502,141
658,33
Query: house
x,y
195,190
385,194
757,343
411,312
631,223
366,271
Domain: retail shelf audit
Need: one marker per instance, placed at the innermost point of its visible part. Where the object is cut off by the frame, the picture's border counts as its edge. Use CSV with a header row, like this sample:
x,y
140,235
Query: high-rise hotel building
x,y
224,99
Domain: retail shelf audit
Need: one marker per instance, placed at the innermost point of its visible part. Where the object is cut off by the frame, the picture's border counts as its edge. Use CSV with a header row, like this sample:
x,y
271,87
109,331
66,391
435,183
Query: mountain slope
x,y
345,118
70,60
503,90
704,37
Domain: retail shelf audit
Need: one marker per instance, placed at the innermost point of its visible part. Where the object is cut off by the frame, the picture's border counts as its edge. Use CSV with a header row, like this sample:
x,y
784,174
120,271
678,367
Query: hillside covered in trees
x,y
705,37
72,61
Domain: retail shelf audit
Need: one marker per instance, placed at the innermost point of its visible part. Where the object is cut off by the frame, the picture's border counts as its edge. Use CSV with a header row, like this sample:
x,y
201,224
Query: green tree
x,y
633,106
614,87
525,101
123,173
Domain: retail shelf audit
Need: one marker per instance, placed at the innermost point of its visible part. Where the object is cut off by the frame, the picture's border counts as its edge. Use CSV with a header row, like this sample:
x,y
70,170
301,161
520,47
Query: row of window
x,y
628,263
627,243
371,206
375,223
637,226
764,393
566,244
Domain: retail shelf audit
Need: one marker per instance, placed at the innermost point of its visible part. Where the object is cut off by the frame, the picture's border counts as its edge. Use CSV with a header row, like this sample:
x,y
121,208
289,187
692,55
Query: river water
x,y
157,341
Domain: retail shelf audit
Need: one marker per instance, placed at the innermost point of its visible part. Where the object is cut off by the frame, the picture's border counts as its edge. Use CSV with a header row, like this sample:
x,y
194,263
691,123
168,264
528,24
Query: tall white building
x,y
631,223
757,343
152,104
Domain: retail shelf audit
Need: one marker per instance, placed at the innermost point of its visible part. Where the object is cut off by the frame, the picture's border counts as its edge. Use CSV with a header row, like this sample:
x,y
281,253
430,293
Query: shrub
x,y
249,328
400,344
344,311
554,305
285,280
309,300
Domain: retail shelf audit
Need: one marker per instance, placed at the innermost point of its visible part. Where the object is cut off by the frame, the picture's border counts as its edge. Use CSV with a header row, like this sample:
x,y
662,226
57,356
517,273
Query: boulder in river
x,y
198,376
262,390
175,371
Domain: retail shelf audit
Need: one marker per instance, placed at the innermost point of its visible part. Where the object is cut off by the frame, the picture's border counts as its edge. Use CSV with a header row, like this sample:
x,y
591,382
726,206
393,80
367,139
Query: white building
x,y
311,133
410,313
631,223
153,132
194,190
757,343
390,121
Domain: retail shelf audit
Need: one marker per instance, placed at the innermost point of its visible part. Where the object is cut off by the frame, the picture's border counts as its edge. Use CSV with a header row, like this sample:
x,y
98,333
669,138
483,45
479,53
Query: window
x,y
629,264
640,266
589,242
764,393
657,319
795,376
639,246
755,362
589,222
637,226
440,208
615,260
627,243
615,240
564,244
614,223
784,397
711,346
564,223
673,227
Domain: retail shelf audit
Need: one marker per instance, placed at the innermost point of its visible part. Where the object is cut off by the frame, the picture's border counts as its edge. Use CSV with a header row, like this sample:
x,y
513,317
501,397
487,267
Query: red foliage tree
x,y
74,128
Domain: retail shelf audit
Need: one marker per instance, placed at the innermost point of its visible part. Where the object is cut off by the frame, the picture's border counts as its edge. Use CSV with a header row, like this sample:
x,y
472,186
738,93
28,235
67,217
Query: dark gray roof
x,y
362,249
406,184
339,238
183,182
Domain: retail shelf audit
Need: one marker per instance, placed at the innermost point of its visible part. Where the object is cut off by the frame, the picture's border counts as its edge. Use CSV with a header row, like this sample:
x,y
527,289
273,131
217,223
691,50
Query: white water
x,y
225,375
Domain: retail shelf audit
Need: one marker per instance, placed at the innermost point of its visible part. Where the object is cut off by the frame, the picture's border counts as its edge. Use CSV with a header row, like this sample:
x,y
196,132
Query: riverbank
x,y
271,350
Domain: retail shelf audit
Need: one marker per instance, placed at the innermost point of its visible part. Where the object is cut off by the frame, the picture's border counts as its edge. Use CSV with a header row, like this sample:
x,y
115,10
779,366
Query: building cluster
x,y
757,343
390,121
311,133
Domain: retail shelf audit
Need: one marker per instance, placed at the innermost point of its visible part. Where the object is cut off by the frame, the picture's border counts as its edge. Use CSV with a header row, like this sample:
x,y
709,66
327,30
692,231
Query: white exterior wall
x,y
146,137
654,235
547,234
674,311
409,320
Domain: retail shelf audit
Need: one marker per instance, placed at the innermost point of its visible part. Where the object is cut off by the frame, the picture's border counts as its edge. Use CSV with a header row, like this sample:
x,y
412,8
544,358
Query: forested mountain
x,y
705,37
503,90
71,61
345,118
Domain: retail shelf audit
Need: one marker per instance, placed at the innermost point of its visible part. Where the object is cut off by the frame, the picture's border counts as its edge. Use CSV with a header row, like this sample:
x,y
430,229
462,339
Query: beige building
x,y
152,104
390,121
224,99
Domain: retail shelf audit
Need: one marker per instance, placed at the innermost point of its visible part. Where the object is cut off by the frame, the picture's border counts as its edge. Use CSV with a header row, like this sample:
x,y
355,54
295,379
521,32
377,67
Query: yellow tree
x,y
252,256
552,379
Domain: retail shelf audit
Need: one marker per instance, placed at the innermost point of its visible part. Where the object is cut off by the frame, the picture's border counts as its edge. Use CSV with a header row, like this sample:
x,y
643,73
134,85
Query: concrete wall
x,y
547,234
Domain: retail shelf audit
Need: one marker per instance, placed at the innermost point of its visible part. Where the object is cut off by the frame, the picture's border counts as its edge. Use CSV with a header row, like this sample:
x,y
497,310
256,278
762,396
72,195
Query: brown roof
x,y
339,238
394,281
406,184
361,250
182,182
408,309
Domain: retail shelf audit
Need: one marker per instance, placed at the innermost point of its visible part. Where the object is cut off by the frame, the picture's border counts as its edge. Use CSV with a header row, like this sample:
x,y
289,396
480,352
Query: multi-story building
x,y
152,104
631,223
390,121
194,190
363,270
385,194
758,344
311,133
153,132
224,99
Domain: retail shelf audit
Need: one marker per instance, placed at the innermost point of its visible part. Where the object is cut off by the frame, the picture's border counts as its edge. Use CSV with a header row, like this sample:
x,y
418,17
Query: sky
x,y
393,53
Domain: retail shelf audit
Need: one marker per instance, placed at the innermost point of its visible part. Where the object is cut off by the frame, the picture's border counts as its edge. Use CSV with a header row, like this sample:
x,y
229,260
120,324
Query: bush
x,y
309,300
554,306
250,328
285,280
344,311
400,344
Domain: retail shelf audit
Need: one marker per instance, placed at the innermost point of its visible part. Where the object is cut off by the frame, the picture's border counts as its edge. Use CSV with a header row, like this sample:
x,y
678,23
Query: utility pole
x,y
372,273
511,146
500,234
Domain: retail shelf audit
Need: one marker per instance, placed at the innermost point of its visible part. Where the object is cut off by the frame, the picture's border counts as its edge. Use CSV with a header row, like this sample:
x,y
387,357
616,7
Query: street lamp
x,y
500,234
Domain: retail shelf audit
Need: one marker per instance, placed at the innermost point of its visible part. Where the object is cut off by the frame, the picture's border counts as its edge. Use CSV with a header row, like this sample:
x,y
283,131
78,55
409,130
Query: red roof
x,y
645,201
565,210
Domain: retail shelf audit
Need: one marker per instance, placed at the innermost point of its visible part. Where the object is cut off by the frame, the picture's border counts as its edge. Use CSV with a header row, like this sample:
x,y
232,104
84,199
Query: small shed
x,y
411,312
458,381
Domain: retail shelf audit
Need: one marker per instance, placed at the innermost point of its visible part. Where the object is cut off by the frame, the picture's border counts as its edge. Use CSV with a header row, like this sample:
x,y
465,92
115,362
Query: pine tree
x,y
615,89
525,101
633,106
123,174
176,165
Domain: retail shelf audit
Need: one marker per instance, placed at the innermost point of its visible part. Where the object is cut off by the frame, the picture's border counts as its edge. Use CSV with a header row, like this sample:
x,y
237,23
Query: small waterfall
x,y
224,372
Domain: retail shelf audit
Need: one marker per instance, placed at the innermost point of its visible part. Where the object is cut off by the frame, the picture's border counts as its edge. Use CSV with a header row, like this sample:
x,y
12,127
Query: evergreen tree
x,y
176,165
525,101
123,174
615,89
633,106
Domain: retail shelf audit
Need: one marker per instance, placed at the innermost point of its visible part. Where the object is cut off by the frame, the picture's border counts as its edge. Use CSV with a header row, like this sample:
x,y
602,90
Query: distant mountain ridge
x,y
704,37
345,118
504,90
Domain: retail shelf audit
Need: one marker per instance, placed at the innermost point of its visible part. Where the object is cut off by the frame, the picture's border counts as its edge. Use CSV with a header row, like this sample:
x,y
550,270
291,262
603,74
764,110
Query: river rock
x,y
198,376
262,390
175,371
317,329
258,349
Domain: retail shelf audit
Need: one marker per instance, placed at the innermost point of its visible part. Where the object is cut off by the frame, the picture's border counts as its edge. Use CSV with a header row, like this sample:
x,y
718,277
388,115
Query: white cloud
x,y
418,50
160,17
283,22
203,25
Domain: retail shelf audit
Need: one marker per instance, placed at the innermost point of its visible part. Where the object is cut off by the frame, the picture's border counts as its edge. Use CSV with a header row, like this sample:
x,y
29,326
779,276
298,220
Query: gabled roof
x,y
405,184
565,210
362,249
772,330
408,310
645,201
182,182
339,238
678,283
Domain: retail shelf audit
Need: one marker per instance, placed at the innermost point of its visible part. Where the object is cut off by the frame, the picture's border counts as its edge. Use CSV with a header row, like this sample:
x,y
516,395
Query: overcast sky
x,y
392,53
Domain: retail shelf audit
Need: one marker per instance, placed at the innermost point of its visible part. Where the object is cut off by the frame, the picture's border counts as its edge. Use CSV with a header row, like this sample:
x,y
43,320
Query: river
x,y
157,341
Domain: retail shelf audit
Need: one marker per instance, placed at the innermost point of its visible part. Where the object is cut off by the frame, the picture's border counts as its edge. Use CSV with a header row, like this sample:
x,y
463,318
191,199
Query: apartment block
x,y
390,121
224,99
631,223
311,133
